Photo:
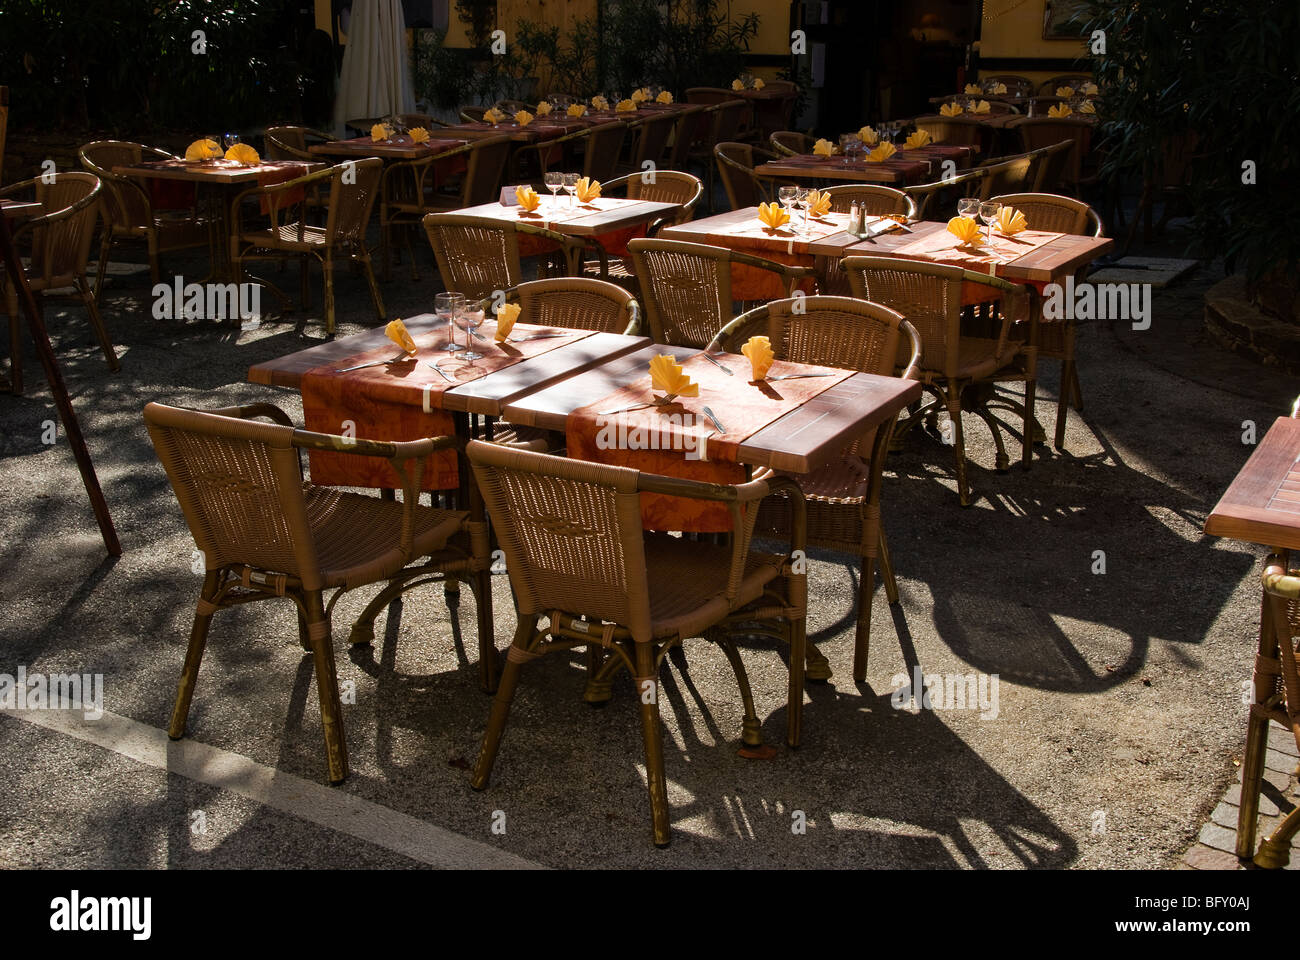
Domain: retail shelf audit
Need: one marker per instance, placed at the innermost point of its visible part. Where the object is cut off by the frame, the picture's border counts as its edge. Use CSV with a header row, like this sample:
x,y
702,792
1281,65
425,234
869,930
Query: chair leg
x,y
887,569
953,402
1252,777
15,340
1027,441
304,282
155,268
862,634
105,247
647,691
799,648
375,296
750,729
487,650
501,703
328,265
97,323
1275,852
193,656
327,688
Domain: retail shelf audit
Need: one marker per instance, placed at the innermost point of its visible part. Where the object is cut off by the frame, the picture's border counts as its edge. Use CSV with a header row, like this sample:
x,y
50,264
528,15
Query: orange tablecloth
x,y
787,244
943,247
403,401
675,433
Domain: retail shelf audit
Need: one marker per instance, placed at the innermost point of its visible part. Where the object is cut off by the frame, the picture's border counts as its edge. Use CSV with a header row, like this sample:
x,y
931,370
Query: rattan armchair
x,y
956,131
1046,211
1038,132
129,212
479,255
290,142
601,146
60,245
657,186
1007,174
408,190
1049,172
961,184
879,201
790,143
577,555
843,497
353,188
735,163
264,533
686,287
649,141
723,124
577,303
930,296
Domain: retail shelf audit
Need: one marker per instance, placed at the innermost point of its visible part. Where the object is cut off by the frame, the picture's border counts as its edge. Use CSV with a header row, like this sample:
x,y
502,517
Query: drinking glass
x,y
471,318
229,139
786,195
989,214
968,207
801,201
447,306
846,146
554,179
571,187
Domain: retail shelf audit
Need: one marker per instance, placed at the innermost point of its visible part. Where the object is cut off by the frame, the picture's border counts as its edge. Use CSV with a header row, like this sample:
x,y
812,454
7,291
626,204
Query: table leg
x,y
58,388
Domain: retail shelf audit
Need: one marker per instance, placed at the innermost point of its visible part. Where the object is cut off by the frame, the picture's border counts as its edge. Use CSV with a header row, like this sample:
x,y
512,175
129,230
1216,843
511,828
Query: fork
x,y
372,363
445,375
798,376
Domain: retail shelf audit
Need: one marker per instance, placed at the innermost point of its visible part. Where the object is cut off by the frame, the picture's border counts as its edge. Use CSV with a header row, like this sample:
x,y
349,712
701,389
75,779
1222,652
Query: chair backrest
x,y
667,186
289,142
603,145
953,131
1073,80
1014,83
728,120
1007,174
571,532
485,166
476,255
924,193
353,189
1038,132
239,486
472,113
686,288
927,294
652,135
709,95
582,303
691,125
1048,211
61,243
775,113
126,203
1049,174
410,120
791,142
736,167
877,199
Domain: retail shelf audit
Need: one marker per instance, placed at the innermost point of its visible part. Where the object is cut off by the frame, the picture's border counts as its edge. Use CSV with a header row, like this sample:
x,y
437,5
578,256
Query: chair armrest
x,y
1279,582
249,411
732,330
790,271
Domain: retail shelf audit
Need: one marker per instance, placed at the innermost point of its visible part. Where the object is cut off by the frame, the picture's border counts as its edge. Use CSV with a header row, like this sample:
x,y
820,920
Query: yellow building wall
x,y
1018,32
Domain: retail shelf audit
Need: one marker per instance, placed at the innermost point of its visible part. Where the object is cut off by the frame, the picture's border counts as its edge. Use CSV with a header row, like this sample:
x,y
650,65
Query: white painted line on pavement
x,y
326,806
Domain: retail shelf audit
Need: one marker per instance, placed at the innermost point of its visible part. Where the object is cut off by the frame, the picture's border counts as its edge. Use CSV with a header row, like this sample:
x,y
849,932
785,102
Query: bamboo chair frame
x,y
686,287
843,498
930,296
667,186
965,182
289,142
879,201
1007,174
649,137
1039,132
790,143
744,187
265,534
958,131
576,303
60,239
576,554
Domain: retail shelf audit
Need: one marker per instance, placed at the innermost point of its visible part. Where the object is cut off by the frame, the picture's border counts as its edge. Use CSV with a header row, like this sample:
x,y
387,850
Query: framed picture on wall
x,y
1066,19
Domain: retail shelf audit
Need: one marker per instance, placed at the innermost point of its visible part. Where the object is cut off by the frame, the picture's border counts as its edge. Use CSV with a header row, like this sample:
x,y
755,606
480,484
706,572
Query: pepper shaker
x,y
855,218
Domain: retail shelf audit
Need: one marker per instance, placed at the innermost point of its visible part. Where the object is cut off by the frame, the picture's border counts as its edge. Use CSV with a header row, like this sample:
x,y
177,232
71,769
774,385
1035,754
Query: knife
x,y
724,369
797,376
716,422
540,336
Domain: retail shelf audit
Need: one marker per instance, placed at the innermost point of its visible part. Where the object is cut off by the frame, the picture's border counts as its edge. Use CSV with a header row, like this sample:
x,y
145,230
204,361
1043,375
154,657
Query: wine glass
x,y
570,182
554,180
447,306
989,214
786,195
801,201
229,139
846,146
968,207
470,318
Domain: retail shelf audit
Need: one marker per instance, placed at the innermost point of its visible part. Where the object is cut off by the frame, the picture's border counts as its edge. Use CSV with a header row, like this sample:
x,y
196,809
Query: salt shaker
x,y
855,218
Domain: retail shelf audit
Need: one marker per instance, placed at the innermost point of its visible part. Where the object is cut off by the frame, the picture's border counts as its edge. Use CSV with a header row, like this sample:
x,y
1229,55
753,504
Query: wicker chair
x,y
649,141
667,186
879,201
1045,211
1049,173
690,121
843,497
601,147
352,191
790,143
1074,80
288,142
954,131
472,113
1038,132
408,191
686,287
577,555
479,255
1007,174
1015,83
578,303
60,245
724,122
735,164
264,533
129,213
930,296
1276,699
963,184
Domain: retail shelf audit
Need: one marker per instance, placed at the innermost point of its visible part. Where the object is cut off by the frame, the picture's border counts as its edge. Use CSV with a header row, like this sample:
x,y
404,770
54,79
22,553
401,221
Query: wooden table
x,y
1262,505
54,377
799,442
720,229
398,148
605,215
906,166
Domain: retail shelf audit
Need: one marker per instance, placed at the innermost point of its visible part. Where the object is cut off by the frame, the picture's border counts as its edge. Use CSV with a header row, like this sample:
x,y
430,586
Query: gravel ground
x,y
1119,707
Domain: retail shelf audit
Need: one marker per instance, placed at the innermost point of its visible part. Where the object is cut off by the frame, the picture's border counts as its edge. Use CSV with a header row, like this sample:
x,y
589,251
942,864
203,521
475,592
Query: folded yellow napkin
x,y
982,107
528,198
882,153
1087,107
419,135
243,153
599,103
869,136
625,106
918,139
1011,221
396,331
760,354
772,215
823,148
543,108
737,84
664,97
964,229
640,95
971,88
493,115
203,150
999,89
950,110
1088,89
380,131
587,190
819,204
507,314
1065,92
666,375
1059,110
523,118
758,83
577,110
